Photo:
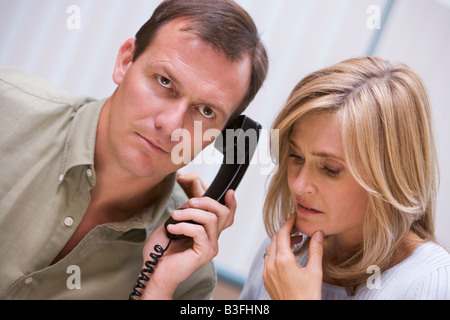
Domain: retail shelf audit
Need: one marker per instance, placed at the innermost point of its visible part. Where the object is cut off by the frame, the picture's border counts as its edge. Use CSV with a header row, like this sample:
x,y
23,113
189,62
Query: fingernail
x,y
318,236
194,201
177,213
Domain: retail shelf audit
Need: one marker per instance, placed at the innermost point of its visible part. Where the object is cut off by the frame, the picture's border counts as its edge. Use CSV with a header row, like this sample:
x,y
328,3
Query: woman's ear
x,y
124,60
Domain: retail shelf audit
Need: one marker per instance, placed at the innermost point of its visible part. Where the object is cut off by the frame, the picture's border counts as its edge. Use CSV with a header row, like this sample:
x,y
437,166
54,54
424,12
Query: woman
x,y
357,178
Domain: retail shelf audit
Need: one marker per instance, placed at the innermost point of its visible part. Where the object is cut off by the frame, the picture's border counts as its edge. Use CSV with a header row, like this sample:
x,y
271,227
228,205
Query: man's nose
x,y
171,116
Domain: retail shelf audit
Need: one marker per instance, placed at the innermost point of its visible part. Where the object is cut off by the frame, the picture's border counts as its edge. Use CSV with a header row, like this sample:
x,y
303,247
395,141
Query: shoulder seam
x,y
34,95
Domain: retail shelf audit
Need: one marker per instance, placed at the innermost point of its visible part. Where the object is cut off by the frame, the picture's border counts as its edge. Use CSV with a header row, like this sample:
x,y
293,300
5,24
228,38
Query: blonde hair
x,y
385,120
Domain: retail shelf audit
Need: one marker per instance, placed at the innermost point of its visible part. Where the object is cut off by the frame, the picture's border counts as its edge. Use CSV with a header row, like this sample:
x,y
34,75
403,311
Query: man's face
x,y
178,80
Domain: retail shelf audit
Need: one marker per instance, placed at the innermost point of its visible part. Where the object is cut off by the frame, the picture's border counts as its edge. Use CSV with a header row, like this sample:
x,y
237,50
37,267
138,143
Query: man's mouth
x,y
153,145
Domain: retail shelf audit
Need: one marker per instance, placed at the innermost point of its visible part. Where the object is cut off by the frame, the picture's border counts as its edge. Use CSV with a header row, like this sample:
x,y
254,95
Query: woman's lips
x,y
306,209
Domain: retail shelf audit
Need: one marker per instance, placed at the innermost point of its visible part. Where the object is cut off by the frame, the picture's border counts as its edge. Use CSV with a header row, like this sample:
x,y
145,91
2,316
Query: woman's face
x,y
323,191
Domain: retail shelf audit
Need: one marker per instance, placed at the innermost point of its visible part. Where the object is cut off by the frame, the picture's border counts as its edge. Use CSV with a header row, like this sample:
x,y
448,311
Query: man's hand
x,y
192,184
185,256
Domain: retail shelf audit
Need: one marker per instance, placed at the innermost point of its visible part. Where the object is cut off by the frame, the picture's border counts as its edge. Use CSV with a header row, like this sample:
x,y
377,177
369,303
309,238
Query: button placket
x,y
28,280
68,221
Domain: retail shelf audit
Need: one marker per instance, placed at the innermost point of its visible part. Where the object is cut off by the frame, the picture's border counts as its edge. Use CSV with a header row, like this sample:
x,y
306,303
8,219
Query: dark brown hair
x,y
223,24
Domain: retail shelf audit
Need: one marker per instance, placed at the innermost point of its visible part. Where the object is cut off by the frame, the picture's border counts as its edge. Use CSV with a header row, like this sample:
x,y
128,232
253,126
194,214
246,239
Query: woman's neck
x,y
335,249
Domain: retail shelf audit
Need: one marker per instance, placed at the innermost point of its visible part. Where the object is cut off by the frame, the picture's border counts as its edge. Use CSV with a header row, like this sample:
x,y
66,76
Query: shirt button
x,y
89,173
68,221
61,178
28,280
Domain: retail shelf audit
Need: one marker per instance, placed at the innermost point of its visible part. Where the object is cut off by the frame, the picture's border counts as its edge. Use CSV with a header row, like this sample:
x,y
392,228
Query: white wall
x,y
418,33
301,36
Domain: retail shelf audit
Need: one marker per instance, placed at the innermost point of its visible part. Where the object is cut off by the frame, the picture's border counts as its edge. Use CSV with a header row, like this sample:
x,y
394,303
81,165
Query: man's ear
x,y
124,60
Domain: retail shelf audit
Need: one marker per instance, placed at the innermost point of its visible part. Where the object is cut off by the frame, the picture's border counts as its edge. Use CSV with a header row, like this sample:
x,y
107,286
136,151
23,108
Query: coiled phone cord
x,y
149,268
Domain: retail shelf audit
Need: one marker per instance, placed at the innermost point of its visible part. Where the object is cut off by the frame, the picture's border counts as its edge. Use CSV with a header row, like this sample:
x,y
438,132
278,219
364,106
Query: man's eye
x,y
207,112
164,82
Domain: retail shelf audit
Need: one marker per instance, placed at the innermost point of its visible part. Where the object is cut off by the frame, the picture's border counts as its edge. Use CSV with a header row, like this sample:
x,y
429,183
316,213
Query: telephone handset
x,y
237,142
237,153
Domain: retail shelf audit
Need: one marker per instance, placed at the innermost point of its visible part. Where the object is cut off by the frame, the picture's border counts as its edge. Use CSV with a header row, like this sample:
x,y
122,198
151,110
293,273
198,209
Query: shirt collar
x,y
79,150
80,144
171,198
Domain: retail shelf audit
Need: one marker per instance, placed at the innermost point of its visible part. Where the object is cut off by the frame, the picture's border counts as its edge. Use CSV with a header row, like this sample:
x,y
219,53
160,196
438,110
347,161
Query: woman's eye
x,y
330,172
207,112
297,159
165,82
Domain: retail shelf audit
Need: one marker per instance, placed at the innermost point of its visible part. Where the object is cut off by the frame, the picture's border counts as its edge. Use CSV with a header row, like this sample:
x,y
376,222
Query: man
x,y
84,183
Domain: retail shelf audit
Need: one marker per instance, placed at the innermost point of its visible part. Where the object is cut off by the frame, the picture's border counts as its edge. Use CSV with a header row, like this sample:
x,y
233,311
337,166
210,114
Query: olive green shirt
x,y
47,141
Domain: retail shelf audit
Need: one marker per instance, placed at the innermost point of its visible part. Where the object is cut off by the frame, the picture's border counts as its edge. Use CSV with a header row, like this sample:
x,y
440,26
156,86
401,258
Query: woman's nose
x,y
304,181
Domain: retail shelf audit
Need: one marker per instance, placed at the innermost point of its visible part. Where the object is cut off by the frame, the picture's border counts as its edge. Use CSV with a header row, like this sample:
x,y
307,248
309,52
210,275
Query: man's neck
x,y
123,196
116,189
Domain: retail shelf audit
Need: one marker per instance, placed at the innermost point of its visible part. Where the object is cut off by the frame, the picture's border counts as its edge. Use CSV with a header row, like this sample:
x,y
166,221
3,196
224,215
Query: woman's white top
x,y
425,274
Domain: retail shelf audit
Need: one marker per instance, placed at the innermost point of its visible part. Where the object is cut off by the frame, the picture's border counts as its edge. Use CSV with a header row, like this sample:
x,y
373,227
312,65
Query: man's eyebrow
x,y
171,76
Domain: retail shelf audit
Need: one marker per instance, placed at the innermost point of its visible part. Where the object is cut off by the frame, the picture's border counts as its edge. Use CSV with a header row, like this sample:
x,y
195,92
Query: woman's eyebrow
x,y
327,155
318,154
292,142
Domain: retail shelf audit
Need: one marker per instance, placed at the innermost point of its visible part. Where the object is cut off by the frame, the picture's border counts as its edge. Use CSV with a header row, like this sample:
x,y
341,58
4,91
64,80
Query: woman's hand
x,y
185,256
284,278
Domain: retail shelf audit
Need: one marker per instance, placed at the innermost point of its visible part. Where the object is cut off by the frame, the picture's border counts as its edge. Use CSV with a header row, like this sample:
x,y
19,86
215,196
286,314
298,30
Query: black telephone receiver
x,y
237,142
